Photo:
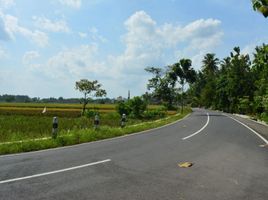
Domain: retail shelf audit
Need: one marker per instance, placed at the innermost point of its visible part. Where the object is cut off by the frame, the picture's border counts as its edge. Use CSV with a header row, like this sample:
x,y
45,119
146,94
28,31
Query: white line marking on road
x,y
54,172
185,138
255,132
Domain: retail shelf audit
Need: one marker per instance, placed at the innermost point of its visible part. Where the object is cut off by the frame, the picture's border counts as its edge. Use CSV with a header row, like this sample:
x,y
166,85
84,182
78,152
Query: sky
x,y
48,45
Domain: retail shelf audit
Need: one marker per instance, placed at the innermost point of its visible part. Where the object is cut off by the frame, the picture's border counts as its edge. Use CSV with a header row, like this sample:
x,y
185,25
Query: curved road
x,y
228,164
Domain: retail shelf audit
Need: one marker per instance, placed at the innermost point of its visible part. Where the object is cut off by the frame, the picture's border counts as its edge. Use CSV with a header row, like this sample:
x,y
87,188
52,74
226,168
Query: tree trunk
x,y
84,104
182,98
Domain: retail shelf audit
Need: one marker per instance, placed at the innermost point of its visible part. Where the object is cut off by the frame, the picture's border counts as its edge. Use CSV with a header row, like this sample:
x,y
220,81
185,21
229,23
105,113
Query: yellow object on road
x,y
185,164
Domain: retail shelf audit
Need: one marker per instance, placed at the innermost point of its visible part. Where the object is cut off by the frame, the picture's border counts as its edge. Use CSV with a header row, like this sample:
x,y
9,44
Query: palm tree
x,y
210,64
261,6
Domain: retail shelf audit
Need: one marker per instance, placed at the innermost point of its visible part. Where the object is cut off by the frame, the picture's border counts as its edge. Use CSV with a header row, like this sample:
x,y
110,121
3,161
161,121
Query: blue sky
x,y
47,45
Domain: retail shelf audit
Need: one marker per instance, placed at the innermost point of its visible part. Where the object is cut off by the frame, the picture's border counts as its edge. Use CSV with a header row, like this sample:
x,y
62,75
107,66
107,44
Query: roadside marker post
x,y
55,125
123,120
96,122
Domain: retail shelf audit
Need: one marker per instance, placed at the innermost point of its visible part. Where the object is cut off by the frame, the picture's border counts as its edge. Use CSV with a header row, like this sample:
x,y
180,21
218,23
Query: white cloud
x,y
11,27
146,44
53,26
4,35
29,56
74,62
94,32
250,48
71,3
82,35
3,53
5,4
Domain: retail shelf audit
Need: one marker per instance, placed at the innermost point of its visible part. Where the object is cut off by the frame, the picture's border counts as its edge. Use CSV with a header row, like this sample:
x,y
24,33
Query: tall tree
x,y
162,86
183,73
222,92
261,6
209,69
240,82
210,64
89,89
260,72
260,68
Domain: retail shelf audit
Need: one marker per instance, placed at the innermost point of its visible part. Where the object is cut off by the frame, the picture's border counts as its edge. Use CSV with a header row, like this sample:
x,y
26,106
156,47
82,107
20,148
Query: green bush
x,y
138,106
244,105
258,104
123,108
90,113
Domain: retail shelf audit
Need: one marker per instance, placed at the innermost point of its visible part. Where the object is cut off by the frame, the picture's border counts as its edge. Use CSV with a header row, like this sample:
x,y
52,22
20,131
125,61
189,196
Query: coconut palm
x,y
210,64
261,6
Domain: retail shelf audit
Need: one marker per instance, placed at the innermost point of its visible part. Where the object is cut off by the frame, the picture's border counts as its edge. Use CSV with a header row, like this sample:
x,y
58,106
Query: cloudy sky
x,y
47,45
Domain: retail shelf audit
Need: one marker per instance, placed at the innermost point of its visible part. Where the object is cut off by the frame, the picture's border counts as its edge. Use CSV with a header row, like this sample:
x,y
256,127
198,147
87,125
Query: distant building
x,y
120,98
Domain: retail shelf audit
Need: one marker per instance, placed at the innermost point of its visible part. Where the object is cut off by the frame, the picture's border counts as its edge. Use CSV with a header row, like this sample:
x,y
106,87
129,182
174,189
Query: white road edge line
x,y
54,172
185,138
255,132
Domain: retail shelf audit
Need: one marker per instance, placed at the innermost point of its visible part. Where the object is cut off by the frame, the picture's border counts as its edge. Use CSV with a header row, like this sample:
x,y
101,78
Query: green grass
x,y
265,119
19,127
81,135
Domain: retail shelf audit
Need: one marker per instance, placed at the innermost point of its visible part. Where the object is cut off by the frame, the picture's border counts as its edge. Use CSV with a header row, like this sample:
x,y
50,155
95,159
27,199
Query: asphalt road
x,y
228,164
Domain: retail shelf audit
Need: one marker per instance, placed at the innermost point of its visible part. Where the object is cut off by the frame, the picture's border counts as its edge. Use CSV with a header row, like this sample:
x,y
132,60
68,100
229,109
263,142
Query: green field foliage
x,y
74,136
21,121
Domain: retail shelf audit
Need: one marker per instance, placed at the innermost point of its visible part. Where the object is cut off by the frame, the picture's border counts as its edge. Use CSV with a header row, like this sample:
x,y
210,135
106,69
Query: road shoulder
x,y
258,127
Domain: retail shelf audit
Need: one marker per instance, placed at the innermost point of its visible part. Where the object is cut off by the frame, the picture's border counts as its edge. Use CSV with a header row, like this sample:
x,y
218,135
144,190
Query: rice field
x,y
20,121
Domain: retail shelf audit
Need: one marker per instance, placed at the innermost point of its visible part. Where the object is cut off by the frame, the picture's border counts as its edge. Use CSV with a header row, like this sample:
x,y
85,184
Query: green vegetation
x,y
89,88
77,136
26,121
261,6
236,84
18,127
135,107
163,82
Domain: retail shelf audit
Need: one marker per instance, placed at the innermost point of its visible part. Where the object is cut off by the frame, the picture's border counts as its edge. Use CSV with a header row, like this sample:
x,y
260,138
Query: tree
x,y
123,108
134,107
184,73
240,81
261,6
89,88
210,64
209,69
162,86
222,91
260,74
137,106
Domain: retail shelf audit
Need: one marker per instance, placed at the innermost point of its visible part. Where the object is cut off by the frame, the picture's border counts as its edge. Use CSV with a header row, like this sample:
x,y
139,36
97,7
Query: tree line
x,y
8,98
237,83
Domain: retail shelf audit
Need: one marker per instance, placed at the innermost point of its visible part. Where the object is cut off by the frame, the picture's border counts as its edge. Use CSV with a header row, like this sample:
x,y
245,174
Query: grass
x,y
81,135
265,119
19,127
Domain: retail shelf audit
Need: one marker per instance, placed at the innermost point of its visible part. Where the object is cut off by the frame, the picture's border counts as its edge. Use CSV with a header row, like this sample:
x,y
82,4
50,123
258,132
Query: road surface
x,y
228,163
